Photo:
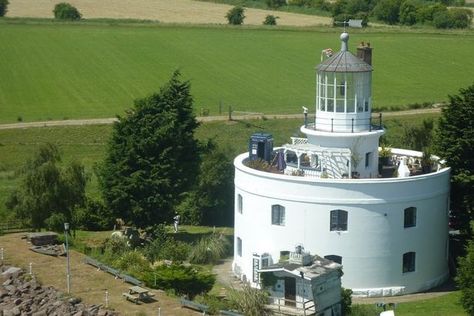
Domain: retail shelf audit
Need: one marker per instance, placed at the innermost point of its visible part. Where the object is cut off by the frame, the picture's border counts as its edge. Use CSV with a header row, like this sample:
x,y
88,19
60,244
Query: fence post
x,y
332,125
370,124
220,107
352,128
230,113
380,120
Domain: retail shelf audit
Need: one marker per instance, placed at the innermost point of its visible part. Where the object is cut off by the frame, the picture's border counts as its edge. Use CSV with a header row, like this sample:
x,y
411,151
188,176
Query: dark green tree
x,y
65,11
152,156
210,201
465,278
455,144
48,193
235,16
387,11
3,7
408,10
426,13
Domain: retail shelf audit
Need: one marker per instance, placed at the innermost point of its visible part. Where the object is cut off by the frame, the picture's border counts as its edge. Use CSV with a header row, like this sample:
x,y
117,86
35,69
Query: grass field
x,y
87,70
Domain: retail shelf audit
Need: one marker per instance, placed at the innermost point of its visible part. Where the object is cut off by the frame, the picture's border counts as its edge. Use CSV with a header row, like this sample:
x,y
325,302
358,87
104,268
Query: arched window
x,y
338,220
409,261
240,203
335,258
278,215
410,217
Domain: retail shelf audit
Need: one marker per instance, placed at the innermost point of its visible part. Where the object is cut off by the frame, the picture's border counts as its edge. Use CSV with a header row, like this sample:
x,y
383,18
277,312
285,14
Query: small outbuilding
x,y
304,285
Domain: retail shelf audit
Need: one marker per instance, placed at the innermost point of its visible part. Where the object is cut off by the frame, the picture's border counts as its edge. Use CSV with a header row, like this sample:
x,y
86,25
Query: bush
x,y
236,16
215,303
184,280
113,248
249,301
346,301
167,249
465,279
462,18
133,263
210,249
275,3
442,20
270,20
65,11
3,7
94,216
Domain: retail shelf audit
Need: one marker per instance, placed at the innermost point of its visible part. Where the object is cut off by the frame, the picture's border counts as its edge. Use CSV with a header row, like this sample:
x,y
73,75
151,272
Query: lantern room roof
x,y
344,61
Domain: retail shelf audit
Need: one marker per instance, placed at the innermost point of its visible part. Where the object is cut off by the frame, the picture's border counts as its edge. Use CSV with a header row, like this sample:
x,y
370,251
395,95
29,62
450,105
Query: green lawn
x,y
89,70
441,306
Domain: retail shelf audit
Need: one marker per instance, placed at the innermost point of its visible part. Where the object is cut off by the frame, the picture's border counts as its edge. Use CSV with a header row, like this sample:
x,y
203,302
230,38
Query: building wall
x,y
359,143
372,248
324,290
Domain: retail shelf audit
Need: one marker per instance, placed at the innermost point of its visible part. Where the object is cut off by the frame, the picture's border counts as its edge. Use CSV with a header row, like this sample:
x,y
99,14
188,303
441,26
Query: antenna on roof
x,y
344,24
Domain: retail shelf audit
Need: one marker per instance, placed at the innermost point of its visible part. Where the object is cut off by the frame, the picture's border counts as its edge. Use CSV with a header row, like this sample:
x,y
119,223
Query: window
x,y
239,246
338,221
408,262
278,215
410,217
368,157
342,88
239,203
335,258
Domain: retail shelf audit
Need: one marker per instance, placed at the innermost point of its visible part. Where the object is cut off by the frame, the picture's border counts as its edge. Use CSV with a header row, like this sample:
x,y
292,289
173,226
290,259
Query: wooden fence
x,y
12,226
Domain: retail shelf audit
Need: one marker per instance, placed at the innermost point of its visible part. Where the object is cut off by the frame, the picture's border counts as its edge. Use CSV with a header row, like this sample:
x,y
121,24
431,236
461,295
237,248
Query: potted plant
x,y
426,160
385,154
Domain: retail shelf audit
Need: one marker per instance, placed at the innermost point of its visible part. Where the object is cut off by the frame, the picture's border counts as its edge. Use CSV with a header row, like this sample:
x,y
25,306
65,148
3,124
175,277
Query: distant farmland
x,y
58,71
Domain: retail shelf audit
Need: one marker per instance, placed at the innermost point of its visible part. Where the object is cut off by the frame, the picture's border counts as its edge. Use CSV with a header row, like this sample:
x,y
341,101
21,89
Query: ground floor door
x,y
290,291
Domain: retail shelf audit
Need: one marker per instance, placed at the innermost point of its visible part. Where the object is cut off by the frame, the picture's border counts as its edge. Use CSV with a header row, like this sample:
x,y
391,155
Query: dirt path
x,y
86,282
200,119
166,11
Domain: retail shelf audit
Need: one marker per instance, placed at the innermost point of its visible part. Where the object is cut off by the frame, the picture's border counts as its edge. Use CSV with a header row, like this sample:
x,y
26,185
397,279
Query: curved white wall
x,y
359,143
375,241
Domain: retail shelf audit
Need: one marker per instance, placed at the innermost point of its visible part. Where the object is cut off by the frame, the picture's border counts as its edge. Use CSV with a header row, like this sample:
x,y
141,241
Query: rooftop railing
x,y
346,125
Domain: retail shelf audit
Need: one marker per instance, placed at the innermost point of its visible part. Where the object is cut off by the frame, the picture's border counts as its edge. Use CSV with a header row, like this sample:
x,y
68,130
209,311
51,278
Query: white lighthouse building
x,y
330,195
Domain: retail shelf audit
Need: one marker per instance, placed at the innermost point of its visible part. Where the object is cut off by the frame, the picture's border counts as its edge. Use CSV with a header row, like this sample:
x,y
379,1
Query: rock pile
x,y
21,295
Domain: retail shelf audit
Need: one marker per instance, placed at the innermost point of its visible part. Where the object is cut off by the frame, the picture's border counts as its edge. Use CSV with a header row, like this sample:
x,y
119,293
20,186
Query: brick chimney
x,y
364,52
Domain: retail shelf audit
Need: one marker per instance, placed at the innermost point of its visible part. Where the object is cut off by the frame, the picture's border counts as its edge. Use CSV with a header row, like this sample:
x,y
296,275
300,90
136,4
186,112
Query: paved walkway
x,y
224,274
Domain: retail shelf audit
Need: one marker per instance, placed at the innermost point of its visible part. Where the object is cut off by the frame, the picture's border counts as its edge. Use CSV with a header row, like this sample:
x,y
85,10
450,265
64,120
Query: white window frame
x,y
278,215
